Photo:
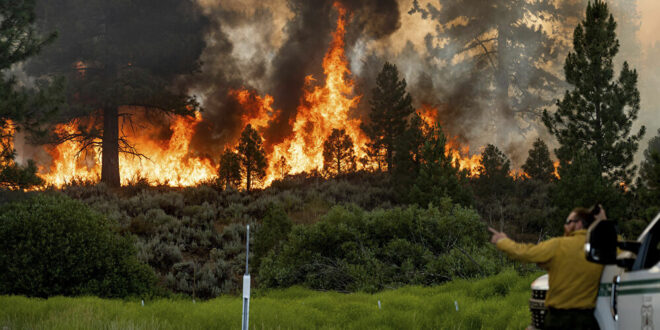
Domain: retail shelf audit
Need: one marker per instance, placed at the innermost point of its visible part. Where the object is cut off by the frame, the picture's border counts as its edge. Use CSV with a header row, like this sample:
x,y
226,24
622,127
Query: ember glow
x,y
6,141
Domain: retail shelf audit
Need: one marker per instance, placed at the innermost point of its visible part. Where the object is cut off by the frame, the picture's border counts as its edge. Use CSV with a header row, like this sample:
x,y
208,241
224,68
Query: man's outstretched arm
x,y
537,253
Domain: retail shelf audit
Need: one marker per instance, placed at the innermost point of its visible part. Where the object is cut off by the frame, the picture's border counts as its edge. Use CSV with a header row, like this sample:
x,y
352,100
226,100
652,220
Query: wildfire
x,y
322,109
257,110
166,162
68,165
326,105
459,153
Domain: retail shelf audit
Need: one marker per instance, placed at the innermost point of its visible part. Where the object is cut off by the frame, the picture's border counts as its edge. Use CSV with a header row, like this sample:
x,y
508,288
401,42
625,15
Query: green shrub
x,y
273,230
354,250
52,245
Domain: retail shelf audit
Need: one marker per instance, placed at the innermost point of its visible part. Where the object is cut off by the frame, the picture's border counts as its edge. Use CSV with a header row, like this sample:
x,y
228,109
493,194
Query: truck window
x,y
649,253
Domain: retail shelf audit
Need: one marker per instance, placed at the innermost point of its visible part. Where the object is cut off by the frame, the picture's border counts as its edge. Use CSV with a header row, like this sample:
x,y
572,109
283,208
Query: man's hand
x,y
496,235
601,215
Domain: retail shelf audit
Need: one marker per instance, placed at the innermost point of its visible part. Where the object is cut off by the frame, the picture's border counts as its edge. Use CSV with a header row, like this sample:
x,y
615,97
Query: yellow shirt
x,y
572,279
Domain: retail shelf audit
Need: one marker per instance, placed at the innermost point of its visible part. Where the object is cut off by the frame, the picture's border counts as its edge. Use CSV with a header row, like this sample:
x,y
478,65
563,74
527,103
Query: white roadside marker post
x,y
246,284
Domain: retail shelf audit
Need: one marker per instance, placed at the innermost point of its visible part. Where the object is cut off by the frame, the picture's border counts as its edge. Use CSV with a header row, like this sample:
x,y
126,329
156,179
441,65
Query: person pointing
x,y
573,281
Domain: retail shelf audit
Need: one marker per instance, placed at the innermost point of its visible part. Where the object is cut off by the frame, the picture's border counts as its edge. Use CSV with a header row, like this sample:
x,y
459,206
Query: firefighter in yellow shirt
x,y
573,281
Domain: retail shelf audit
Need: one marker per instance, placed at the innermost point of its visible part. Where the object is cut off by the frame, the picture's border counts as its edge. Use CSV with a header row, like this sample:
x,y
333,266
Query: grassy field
x,y
498,302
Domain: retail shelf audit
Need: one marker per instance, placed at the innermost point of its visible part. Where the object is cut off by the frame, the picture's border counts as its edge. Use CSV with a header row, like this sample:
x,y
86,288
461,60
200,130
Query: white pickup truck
x,y
629,293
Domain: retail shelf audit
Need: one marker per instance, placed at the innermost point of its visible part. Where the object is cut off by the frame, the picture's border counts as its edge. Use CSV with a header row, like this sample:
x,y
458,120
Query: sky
x,y
650,25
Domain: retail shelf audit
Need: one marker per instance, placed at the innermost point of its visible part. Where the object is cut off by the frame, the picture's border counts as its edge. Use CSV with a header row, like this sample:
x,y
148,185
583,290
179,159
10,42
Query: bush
x,y
354,250
273,230
52,245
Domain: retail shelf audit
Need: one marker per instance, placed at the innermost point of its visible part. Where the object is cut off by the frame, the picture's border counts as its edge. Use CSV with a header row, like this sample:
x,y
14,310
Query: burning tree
x,y
229,172
338,153
129,53
439,176
282,167
253,156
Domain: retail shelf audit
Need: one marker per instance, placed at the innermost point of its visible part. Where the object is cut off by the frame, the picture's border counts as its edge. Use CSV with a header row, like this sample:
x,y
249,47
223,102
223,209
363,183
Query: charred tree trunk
x,y
110,147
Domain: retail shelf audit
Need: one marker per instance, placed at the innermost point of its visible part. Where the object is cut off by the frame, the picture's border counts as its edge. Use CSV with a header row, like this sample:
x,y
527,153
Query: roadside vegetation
x,y
497,302
321,234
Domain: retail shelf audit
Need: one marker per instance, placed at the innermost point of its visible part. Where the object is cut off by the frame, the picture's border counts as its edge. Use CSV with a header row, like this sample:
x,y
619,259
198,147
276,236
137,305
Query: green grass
x,y
498,302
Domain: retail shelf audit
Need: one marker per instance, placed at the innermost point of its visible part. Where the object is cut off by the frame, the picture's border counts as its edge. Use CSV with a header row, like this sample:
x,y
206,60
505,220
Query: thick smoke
x,y
438,76
240,45
270,47
272,68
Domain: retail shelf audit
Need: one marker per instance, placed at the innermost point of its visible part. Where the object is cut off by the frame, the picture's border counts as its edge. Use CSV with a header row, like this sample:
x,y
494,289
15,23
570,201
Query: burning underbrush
x,y
160,154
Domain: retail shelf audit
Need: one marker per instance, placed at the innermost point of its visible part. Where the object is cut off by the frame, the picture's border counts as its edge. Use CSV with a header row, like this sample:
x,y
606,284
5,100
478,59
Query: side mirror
x,y
601,242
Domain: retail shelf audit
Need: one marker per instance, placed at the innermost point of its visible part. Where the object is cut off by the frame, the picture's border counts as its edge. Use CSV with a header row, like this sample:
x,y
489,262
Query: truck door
x,y
636,293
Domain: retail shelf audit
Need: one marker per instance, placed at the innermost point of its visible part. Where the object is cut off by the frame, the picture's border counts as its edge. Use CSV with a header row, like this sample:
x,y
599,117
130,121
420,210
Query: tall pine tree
x,y
390,108
408,152
438,176
597,114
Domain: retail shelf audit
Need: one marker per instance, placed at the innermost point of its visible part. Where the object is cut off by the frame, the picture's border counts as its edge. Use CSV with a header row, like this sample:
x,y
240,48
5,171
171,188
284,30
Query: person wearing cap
x,y
573,281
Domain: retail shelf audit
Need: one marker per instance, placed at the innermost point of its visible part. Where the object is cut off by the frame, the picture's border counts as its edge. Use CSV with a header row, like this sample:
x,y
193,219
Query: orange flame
x,y
460,154
6,140
322,109
67,164
164,163
623,186
428,114
257,111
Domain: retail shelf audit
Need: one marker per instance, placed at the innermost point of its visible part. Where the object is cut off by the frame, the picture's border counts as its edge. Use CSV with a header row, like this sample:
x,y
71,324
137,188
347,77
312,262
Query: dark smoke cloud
x,y
270,47
223,71
309,34
279,71
458,91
